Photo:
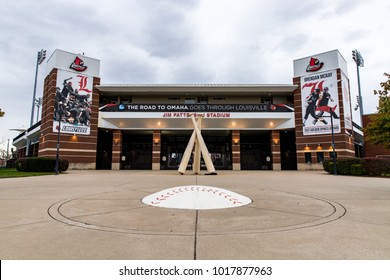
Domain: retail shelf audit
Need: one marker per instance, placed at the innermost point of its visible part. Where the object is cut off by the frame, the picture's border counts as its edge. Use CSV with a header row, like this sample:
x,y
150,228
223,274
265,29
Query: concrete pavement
x,y
99,215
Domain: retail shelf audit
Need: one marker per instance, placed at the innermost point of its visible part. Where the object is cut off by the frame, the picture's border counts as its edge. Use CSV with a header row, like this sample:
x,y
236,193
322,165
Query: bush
x,y
63,165
330,167
359,166
358,169
40,164
377,166
344,165
325,164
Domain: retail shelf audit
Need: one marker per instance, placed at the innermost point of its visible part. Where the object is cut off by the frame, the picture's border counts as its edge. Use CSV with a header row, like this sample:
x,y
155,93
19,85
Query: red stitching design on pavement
x,y
175,191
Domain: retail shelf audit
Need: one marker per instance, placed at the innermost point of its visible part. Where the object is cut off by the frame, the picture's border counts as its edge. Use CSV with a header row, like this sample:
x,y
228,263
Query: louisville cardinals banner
x,y
347,103
320,103
73,103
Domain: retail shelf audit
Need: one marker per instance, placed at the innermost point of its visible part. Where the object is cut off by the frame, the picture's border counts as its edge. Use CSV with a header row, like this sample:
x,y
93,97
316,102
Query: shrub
x,y
377,166
40,164
344,165
325,164
21,164
63,165
330,167
359,166
357,169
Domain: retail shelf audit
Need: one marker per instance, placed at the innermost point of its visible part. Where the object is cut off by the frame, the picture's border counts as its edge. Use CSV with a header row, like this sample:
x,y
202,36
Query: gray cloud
x,y
197,41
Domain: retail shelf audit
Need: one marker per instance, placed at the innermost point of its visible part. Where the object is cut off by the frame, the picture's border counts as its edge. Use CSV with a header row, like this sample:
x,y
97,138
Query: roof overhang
x,y
178,121
198,89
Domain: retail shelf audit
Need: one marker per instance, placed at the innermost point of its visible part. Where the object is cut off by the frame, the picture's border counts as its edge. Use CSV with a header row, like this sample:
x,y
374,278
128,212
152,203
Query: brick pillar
x,y
116,150
275,149
78,149
236,154
156,154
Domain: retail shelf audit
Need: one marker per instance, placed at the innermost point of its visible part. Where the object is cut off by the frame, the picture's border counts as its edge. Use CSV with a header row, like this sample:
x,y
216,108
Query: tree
x,y
378,130
1,113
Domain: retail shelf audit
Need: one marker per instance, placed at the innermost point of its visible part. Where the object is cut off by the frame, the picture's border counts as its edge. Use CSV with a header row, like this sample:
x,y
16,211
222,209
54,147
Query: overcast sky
x,y
188,41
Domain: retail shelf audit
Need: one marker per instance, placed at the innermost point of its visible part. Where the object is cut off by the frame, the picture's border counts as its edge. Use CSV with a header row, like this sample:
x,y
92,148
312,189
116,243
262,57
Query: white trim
x,y
68,150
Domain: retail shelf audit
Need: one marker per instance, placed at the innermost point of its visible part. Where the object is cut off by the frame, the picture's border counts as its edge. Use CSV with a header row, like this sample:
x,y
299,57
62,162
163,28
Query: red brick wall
x,y
370,149
310,144
80,150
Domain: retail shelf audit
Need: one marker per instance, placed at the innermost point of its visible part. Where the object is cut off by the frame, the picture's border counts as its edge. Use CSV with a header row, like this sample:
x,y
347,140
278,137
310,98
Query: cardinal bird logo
x,y
78,65
314,65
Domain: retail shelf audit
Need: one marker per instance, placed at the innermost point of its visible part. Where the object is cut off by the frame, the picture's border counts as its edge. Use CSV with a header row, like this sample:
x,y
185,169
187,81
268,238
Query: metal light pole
x,y
40,58
333,143
59,112
8,150
357,57
56,168
38,103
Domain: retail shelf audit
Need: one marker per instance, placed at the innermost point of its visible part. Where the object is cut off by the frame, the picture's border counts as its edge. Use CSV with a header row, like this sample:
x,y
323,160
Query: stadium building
x,y
148,126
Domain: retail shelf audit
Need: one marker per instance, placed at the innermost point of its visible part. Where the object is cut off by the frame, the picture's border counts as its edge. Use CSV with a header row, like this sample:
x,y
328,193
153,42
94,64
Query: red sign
x,y
314,65
78,65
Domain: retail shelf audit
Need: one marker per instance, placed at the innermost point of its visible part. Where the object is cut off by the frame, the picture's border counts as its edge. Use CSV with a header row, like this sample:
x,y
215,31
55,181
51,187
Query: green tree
x,y
1,113
378,130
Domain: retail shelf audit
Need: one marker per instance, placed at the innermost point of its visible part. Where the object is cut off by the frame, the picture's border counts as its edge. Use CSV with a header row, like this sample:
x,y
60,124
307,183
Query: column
x,y
236,154
116,150
156,151
275,149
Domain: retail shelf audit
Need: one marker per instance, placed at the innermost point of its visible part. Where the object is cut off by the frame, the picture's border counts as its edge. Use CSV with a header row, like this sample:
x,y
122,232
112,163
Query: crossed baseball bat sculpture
x,y
200,150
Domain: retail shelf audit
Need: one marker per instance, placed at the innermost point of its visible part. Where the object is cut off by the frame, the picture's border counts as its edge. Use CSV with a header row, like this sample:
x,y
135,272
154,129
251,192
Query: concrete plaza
x,y
99,215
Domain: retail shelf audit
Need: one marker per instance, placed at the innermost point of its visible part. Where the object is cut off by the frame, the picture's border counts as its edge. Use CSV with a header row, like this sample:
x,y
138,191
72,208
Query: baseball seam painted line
x,y
168,195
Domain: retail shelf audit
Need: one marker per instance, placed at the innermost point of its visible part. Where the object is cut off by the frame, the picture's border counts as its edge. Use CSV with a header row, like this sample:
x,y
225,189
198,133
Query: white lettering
x,y
147,107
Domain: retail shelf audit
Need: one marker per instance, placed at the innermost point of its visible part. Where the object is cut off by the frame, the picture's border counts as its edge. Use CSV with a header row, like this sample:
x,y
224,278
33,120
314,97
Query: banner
x,y
320,102
192,108
73,103
346,103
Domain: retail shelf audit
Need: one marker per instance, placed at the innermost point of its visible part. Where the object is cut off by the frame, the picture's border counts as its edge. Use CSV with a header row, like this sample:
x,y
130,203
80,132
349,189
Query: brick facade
x,y
312,146
373,150
80,150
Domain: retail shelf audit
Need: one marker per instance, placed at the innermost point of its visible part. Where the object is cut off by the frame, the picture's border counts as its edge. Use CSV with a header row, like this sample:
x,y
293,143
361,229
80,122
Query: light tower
x,y
357,57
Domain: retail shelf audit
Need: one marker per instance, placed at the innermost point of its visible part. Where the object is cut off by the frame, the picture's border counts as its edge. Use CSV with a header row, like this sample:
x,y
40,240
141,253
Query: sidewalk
x,y
99,215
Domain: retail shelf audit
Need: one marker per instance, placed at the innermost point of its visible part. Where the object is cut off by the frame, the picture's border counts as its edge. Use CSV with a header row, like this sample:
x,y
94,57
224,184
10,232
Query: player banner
x,y
73,103
320,102
346,103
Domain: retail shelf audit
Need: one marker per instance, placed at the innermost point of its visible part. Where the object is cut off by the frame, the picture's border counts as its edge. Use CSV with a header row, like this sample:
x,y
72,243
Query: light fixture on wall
x,y
156,141
235,141
276,141
116,142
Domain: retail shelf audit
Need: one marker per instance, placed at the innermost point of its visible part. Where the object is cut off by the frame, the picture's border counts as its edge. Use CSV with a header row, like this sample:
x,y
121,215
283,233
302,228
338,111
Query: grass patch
x,y
13,173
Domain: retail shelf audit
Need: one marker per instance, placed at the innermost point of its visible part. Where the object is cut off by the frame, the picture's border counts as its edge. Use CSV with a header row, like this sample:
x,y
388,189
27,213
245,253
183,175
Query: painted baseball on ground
x,y
196,197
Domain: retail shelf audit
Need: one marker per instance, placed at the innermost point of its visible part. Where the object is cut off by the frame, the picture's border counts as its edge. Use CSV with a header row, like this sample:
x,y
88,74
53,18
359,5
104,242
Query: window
x,y
266,99
320,157
112,100
308,157
126,100
203,100
189,100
